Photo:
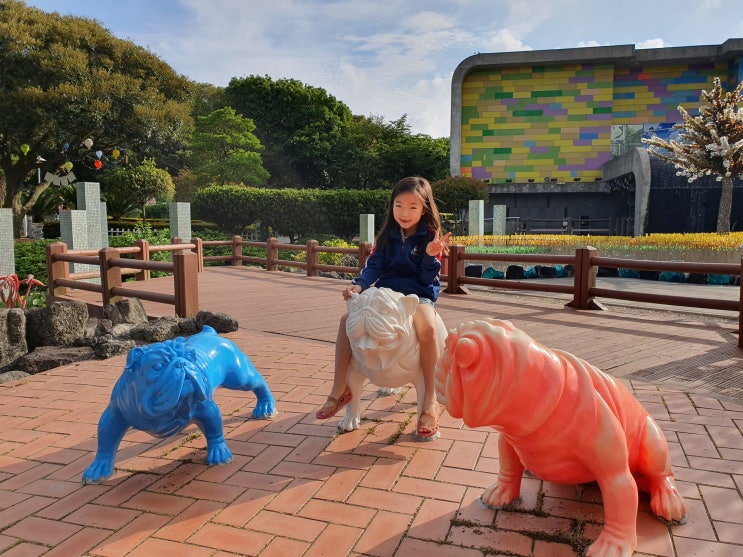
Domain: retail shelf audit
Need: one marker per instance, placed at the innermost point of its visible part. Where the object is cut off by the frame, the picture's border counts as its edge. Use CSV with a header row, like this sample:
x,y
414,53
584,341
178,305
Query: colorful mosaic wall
x,y
561,123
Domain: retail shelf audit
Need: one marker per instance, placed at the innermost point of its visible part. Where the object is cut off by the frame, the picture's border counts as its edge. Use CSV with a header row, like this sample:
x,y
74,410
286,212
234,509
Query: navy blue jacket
x,y
405,268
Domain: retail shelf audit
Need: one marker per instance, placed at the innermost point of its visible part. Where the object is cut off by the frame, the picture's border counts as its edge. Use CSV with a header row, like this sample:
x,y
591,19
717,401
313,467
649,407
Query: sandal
x,y
332,405
428,425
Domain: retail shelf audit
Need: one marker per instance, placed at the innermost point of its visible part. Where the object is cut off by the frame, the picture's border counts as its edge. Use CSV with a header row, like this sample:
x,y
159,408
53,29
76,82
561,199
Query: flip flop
x,y
335,404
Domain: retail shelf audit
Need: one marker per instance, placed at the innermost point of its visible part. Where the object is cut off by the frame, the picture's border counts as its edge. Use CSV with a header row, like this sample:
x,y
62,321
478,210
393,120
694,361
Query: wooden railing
x,y
584,291
107,280
188,260
271,261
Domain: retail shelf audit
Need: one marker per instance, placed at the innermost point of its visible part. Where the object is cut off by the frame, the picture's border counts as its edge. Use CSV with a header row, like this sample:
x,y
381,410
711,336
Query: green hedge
x,y
289,212
52,230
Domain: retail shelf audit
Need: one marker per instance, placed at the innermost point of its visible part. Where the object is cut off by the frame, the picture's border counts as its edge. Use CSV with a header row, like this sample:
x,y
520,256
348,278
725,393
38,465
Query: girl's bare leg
x,y
424,321
342,360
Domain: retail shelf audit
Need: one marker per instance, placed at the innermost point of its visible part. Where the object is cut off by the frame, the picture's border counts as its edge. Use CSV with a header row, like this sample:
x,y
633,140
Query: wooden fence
x,y
188,260
107,280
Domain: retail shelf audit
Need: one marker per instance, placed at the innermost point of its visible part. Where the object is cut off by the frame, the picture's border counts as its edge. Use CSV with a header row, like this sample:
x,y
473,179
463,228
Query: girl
x,y
406,258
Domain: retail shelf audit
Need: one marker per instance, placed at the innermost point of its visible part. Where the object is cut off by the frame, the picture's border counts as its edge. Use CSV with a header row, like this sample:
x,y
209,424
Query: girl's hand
x,y
351,289
438,245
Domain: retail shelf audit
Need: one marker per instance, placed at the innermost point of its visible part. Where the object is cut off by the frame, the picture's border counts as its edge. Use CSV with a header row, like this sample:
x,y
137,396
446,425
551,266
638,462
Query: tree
x,y
376,154
299,125
140,184
225,151
453,195
66,79
404,154
710,143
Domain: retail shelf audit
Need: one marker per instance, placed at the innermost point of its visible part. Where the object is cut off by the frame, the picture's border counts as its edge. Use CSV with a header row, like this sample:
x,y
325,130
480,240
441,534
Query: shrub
x,y
30,259
454,194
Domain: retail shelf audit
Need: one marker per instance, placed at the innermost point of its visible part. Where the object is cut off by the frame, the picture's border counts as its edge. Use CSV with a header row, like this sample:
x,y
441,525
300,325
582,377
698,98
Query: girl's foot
x,y
428,424
332,405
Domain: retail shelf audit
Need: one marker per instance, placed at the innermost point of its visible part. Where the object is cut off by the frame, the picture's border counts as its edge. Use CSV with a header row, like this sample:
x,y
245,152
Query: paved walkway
x,y
296,488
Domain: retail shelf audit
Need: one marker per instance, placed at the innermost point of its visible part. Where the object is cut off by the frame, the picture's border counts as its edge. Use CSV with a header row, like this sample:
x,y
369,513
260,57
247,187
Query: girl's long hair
x,y
422,189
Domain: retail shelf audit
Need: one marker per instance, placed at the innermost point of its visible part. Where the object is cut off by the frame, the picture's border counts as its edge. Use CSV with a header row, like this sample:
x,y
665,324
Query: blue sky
x,y
392,57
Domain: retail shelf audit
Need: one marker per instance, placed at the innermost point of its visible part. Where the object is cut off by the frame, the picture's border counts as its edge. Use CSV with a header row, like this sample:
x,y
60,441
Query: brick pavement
x,y
296,488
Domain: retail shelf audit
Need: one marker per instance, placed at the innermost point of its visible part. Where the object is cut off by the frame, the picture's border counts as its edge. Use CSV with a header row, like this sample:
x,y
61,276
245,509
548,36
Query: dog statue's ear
x,y
410,303
133,358
466,352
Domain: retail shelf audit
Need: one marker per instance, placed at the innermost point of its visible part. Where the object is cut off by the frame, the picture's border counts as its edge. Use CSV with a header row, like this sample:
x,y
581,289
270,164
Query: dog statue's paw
x,y
611,546
349,423
218,453
666,501
264,411
101,469
499,494
385,391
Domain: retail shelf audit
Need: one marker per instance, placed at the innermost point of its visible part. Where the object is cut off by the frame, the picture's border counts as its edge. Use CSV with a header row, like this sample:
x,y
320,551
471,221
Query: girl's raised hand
x,y
439,244
351,289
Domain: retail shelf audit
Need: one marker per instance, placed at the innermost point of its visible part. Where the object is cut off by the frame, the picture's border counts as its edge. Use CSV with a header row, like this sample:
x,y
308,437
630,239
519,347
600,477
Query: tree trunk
x,y
726,206
18,214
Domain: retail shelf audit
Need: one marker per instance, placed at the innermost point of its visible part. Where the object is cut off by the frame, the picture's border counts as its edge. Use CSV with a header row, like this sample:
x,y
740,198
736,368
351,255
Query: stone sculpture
x,y
167,385
562,419
384,345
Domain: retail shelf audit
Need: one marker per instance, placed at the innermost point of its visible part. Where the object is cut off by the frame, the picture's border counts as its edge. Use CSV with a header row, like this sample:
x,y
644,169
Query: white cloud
x,y
652,43
394,57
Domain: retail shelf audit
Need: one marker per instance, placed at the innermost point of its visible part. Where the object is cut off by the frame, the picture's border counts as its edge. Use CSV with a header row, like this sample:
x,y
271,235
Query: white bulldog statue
x,y
384,345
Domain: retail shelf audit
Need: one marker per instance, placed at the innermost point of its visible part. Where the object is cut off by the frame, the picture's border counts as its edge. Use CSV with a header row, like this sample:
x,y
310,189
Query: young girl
x,y
406,258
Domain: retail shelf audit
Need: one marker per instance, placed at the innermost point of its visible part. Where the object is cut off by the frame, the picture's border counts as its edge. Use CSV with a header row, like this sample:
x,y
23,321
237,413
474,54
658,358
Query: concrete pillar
x,y
476,221
104,225
366,228
180,220
499,220
7,243
89,200
73,231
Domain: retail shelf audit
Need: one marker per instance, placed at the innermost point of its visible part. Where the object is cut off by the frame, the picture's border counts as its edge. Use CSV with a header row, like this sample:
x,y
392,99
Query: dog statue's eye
x,y
157,366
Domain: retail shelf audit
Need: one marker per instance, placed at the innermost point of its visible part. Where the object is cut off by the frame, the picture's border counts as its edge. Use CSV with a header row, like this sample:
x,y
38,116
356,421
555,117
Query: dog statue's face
x,y
380,321
160,385
480,368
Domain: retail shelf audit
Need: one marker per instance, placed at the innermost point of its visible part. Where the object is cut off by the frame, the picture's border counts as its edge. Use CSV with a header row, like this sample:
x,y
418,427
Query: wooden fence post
x,y
456,269
272,254
365,249
313,258
199,251
186,282
143,255
585,278
237,251
110,275
56,269
740,303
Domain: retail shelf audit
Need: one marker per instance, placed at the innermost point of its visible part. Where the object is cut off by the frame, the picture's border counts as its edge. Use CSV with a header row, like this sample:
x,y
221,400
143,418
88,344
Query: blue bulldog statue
x,y
167,385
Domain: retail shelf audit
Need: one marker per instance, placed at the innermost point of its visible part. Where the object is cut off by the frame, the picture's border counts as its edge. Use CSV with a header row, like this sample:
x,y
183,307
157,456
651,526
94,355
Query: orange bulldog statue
x,y
562,419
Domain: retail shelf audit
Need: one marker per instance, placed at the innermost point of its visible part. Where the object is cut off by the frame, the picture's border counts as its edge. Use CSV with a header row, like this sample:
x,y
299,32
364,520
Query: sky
x,y
389,58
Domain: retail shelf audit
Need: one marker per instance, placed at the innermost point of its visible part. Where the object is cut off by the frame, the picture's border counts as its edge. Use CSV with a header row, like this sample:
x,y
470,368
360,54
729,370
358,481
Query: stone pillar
x,y
89,200
7,243
104,225
73,231
366,228
180,221
499,220
476,220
